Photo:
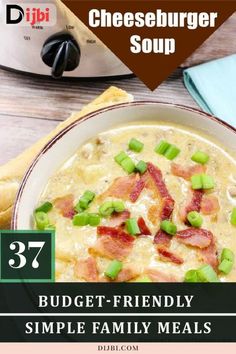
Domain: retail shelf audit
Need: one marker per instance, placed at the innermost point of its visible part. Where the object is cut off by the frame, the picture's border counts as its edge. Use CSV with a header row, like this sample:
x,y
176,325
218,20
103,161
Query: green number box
x,y
27,256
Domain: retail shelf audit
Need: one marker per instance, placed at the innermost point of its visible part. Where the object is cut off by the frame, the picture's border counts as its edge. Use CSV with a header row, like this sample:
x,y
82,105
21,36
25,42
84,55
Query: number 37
x,y
20,248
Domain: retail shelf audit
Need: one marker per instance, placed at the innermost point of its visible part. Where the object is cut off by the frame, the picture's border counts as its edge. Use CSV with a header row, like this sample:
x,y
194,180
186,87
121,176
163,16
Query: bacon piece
x,y
138,187
87,269
162,210
209,255
121,187
116,233
66,205
160,277
187,172
209,205
118,219
126,274
199,238
156,176
166,199
114,243
144,230
167,207
112,247
193,205
169,256
162,238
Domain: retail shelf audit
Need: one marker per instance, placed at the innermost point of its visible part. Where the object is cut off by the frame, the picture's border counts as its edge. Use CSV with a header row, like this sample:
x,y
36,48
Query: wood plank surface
x,y
18,133
31,107
51,99
220,44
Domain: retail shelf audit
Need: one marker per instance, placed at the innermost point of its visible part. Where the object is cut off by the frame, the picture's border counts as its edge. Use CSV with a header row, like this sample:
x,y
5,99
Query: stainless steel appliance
x,y
67,48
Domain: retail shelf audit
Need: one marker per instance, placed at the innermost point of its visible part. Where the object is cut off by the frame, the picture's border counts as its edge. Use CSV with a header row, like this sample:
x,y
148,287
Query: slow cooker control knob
x,y
62,53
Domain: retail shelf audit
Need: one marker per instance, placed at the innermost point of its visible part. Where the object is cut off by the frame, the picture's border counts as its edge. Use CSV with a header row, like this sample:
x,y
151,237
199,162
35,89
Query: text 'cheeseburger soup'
x,y
143,203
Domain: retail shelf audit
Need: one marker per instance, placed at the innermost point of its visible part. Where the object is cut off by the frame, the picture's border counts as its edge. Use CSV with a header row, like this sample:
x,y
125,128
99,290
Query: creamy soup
x,y
157,223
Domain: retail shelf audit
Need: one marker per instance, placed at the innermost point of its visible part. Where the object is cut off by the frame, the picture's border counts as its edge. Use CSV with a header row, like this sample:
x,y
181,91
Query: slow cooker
x,y
65,48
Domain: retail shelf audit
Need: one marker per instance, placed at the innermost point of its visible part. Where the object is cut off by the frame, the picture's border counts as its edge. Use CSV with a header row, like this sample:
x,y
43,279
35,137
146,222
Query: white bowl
x,y
59,149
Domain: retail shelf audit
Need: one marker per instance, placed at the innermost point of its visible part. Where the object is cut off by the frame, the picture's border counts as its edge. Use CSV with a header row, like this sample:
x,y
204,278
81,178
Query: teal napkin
x,y
213,87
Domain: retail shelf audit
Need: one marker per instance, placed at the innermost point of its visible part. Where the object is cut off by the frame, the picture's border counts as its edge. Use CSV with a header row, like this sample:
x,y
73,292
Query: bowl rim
x,y
90,115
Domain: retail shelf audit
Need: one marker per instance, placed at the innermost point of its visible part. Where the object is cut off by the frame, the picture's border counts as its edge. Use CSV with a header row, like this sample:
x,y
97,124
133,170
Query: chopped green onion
x,y
162,147
94,220
135,145
84,219
195,219
84,203
169,227
128,165
191,276
166,149
89,195
113,269
207,182
200,157
85,200
202,181
46,207
81,219
41,220
118,206
50,227
172,152
78,208
227,254
141,167
207,274
233,217
120,157
227,261
132,226
106,209
143,279
196,181
226,266
125,162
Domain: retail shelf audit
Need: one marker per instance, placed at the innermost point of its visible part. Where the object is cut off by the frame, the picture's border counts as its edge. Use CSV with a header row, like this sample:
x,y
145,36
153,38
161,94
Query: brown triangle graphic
x,y
153,68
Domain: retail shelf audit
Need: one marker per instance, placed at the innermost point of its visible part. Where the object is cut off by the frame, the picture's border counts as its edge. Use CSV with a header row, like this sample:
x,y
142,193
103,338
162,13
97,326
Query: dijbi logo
x,y
28,14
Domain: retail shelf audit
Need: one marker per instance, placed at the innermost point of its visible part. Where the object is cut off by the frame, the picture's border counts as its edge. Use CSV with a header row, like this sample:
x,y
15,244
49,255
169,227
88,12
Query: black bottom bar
x,y
130,329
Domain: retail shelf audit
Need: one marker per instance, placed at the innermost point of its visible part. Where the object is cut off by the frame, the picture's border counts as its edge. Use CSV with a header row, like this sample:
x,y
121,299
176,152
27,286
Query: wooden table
x,y
31,107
